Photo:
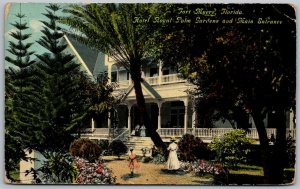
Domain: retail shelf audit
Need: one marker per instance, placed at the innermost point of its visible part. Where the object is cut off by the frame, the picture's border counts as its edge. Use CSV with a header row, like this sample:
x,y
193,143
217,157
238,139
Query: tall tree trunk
x,y
264,145
273,159
280,155
136,78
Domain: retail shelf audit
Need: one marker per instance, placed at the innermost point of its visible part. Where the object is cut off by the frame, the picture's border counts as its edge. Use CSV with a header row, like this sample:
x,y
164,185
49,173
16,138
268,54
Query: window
x,y
177,117
165,72
113,76
153,72
128,75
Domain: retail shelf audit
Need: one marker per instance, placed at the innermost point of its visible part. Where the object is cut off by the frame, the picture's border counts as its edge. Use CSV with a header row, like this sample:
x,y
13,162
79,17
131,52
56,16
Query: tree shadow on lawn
x,y
128,176
106,160
204,182
172,172
244,179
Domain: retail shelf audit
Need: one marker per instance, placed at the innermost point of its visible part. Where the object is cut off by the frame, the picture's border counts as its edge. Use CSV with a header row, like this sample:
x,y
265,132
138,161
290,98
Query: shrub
x,y
159,159
291,152
93,173
104,146
192,148
117,147
86,149
231,148
146,159
158,155
56,169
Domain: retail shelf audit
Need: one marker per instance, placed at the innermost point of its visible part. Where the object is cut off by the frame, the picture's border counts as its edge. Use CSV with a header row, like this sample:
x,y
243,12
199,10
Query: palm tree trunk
x,y
136,78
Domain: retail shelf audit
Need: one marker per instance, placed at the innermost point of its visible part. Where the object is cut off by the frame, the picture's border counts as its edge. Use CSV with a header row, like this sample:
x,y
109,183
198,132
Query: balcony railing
x,y
172,78
152,80
157,80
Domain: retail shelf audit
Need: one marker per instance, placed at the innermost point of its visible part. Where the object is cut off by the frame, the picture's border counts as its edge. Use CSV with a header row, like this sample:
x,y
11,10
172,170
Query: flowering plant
x,y
207,167
93,173
202,167
144,151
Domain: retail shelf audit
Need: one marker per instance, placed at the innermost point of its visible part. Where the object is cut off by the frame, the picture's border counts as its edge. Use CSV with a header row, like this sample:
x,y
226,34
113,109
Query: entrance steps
x,y
137,143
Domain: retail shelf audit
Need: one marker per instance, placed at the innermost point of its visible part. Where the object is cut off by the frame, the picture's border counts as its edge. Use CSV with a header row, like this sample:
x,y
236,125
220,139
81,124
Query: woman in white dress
x,y
173,162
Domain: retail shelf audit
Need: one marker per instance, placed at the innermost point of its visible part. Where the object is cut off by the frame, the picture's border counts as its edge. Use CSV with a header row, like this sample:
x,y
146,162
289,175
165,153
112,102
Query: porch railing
x,y
104,133
209,133
170,132
124,83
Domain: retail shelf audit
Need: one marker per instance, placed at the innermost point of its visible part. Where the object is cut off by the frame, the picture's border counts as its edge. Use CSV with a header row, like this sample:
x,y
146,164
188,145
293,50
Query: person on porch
x,y
137,130
143,131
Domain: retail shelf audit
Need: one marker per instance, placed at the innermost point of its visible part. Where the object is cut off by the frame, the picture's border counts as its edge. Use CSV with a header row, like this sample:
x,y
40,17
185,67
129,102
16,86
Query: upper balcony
x,y
156,80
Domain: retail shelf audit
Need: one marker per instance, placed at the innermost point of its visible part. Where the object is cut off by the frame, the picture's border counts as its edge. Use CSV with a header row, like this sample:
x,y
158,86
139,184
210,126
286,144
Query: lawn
x,y
253,175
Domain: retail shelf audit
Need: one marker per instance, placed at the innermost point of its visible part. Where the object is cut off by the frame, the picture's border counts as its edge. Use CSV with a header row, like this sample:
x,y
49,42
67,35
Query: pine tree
x,y
19,95
64,106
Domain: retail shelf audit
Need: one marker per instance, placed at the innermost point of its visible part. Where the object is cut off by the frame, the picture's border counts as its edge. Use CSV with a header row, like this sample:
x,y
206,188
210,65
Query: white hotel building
x,y
169,104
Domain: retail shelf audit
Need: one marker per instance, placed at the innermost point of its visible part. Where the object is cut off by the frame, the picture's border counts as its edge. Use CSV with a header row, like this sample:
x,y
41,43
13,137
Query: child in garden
x,y
133,163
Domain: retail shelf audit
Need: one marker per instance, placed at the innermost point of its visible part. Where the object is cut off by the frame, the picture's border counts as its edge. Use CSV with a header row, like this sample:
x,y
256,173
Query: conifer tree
x,y
64,106
19,95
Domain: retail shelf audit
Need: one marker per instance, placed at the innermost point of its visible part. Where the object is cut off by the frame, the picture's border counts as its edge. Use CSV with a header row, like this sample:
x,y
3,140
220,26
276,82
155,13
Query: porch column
x,y
129,118
93,124
159,104
291,124
118,74
109,72
185,115
108,120
194,120
159,72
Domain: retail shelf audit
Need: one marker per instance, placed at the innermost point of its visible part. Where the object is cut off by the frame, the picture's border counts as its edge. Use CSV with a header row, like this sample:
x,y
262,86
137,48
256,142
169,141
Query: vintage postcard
x,y
150,94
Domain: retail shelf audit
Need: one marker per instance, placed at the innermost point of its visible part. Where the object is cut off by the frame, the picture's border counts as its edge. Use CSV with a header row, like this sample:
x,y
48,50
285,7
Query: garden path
x,y
150,173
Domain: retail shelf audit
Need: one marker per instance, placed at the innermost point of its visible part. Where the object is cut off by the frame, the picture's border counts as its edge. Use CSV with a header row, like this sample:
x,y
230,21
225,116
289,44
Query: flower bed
x,y
93,173
202,167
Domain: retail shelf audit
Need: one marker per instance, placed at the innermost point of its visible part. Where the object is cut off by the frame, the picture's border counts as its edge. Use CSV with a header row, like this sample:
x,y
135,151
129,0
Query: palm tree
x,y
110,28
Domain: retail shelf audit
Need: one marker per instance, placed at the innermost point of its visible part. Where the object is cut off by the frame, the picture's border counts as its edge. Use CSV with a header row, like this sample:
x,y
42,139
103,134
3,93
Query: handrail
x,y
123,133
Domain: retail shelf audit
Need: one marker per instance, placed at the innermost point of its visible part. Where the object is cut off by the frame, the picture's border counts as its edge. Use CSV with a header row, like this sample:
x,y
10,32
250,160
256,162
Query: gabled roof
x,y
90,59
146,89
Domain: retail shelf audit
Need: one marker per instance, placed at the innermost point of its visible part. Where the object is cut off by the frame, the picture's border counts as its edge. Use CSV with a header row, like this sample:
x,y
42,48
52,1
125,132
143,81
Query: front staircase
x,y
137,143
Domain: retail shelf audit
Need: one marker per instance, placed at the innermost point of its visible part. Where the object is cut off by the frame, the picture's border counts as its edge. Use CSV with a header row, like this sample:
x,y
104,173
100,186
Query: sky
x,y
34,14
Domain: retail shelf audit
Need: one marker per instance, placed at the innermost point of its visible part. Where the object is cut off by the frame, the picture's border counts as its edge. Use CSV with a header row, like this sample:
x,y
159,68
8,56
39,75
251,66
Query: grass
x,y
246,174
253,175
15,175
247,170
